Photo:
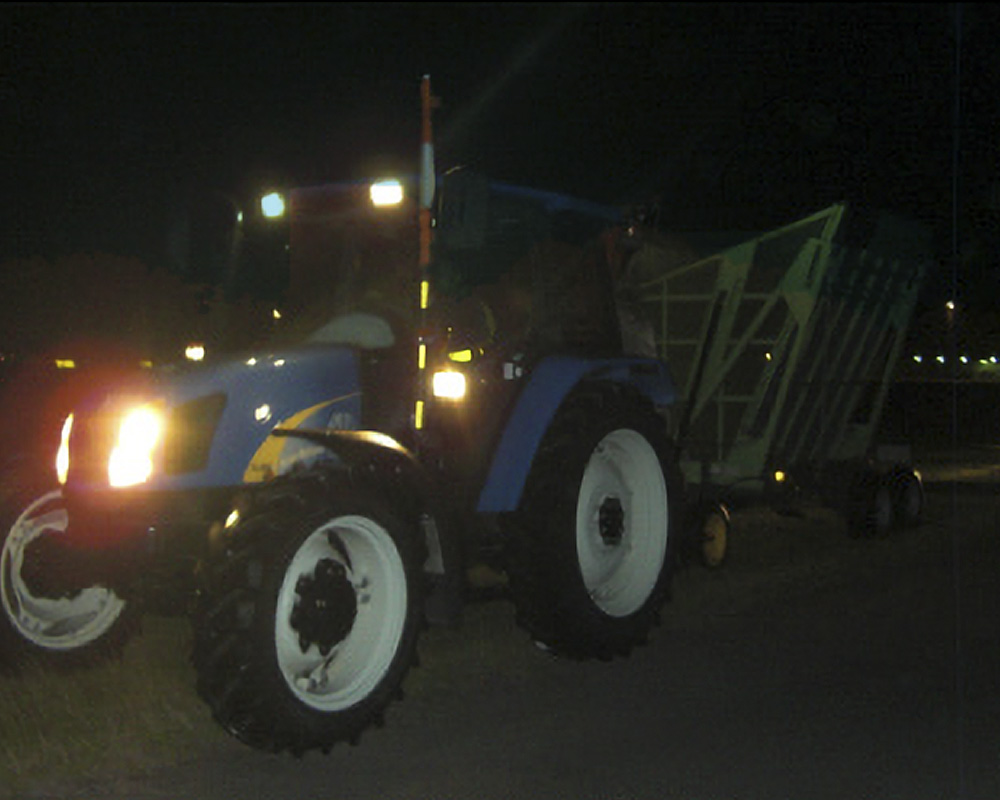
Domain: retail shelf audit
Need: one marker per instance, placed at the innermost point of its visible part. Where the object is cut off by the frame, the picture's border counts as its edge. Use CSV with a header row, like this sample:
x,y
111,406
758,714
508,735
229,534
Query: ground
x,y
812,665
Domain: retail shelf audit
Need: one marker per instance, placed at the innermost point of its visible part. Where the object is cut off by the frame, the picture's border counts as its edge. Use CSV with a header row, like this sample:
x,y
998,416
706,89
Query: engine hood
x,y
220,415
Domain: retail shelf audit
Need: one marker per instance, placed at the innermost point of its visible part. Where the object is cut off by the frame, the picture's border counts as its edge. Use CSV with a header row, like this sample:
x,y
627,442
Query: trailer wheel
x,y
873,513
590,550
713,536
309,617
39,618
907,497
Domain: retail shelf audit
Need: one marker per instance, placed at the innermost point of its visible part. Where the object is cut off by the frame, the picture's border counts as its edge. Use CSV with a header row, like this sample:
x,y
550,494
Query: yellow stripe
x,y
264,464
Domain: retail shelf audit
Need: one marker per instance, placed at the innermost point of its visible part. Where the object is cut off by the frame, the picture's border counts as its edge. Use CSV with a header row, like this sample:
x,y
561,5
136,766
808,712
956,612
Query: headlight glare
x,y
449,385
62,455
131,460
385,193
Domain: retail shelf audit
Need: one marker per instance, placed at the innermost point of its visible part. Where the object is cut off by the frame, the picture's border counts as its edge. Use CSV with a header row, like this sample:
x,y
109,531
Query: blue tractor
x,y
317,499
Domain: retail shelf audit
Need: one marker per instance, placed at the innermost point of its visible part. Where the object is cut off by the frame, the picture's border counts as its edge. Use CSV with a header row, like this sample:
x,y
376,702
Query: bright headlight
x,y
272,205
386,193
131,459
62,456
448,385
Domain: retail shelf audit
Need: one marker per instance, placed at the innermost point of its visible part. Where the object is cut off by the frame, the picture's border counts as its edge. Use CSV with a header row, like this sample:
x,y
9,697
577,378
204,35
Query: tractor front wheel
x,y
309,616
43,615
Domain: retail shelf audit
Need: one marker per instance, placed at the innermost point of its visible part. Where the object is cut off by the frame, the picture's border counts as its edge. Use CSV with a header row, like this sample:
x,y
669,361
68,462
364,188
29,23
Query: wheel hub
x,y
611,521
325,607
49,570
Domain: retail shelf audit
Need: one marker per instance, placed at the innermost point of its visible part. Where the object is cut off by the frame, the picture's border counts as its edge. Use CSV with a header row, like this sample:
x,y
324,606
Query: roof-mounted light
x,y
272,205
385,193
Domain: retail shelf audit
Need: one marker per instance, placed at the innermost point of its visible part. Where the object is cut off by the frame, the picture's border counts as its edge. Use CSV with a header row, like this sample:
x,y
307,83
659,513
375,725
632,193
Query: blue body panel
x,y
547,387
285,382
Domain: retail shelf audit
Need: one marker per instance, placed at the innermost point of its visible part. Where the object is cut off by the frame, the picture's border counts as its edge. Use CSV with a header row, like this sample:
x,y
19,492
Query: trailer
x,y
783,348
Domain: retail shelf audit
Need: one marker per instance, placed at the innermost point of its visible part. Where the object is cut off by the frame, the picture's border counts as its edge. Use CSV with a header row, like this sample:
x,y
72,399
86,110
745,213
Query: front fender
x,y
548,385
402,480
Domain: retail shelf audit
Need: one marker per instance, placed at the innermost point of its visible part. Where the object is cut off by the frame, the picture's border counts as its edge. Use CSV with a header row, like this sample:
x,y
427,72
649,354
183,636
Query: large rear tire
x,y
309,617
591,548
40,619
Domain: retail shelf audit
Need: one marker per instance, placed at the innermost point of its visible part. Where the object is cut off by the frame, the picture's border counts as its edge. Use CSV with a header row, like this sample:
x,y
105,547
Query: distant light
x,y
993,359
940,359
950,305
386,193
272,205
146,364
251,362
194,352
919,359
239,217
233,518
275,313
767,356
262,413
65,363
963,359
779,476
279,362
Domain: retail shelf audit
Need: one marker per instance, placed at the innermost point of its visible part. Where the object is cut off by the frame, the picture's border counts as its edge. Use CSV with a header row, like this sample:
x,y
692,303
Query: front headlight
x,y
62,456
131,460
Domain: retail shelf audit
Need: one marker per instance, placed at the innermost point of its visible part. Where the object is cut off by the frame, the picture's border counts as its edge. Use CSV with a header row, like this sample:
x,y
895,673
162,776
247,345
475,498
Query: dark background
x,y
117,117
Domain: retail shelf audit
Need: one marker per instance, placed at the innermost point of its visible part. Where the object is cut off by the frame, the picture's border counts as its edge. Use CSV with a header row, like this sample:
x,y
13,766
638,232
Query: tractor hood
x,y
215,420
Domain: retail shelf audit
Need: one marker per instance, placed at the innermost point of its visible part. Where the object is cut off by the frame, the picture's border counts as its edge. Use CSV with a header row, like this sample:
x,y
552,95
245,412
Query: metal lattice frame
x,y
784,346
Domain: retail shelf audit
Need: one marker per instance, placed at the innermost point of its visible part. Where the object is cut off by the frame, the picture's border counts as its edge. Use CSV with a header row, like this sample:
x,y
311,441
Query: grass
x,y
60,727
114,717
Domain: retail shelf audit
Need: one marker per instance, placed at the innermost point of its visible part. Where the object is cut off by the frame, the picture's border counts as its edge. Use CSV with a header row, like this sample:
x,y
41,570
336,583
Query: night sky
x,y
736,117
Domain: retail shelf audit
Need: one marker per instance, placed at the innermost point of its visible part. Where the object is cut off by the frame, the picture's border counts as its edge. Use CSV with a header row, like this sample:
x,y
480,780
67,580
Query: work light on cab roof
x,y
272,205
386,192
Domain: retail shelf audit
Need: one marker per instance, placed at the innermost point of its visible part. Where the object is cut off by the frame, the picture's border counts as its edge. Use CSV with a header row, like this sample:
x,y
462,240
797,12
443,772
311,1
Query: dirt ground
x,y
812,665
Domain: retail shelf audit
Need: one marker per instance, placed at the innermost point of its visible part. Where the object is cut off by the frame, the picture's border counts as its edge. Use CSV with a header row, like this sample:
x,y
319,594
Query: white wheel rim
x,y
356,665
54,624
715,539
623,481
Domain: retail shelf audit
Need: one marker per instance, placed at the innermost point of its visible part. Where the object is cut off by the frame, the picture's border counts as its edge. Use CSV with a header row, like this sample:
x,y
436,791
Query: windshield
x,y
347,256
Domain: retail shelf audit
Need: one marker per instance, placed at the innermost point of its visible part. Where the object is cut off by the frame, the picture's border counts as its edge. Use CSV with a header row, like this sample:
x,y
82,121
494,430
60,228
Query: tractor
x,y
447,386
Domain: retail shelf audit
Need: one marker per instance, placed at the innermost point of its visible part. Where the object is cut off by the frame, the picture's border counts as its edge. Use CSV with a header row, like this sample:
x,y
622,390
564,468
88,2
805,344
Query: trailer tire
x,y
873,512
907,497
70,629
309,616
713,535
590,551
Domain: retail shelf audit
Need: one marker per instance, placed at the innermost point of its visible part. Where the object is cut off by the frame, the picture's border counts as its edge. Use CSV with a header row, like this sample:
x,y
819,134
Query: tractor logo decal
x,y
278,454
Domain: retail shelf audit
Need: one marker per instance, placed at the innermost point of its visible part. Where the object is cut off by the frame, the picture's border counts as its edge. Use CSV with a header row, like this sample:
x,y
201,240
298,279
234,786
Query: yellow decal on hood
x,y
266,461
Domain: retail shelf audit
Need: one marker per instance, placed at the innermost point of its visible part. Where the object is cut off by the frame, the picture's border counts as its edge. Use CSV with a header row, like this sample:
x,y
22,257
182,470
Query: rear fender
x,y
548,385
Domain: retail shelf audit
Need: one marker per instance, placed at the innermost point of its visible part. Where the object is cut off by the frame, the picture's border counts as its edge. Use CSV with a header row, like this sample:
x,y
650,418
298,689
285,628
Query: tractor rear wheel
x,y
590,551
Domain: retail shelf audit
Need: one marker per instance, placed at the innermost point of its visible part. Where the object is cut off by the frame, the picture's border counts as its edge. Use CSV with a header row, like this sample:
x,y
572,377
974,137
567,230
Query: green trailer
x,y
784,347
